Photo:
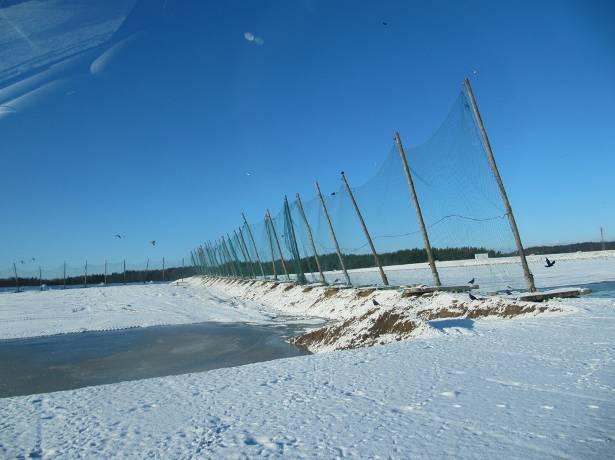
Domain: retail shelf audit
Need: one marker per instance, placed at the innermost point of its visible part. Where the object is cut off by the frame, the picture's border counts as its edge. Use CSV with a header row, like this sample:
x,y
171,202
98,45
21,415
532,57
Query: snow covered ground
x,y
34,313
537,387
497,273
529,387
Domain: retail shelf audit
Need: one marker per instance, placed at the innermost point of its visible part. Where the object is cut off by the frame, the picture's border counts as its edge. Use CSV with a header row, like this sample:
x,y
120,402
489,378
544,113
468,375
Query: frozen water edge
x,y
529,388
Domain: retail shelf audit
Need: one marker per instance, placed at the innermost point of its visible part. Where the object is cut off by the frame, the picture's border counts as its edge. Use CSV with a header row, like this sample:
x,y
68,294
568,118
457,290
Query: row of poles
x,y
222,257
85,273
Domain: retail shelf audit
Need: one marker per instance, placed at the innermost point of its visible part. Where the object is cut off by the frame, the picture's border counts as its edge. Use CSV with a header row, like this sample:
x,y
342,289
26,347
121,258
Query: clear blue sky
x,y
156,141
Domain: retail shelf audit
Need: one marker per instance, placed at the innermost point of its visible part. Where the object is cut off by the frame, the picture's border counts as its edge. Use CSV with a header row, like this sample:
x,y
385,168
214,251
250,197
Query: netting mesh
x,y
462,208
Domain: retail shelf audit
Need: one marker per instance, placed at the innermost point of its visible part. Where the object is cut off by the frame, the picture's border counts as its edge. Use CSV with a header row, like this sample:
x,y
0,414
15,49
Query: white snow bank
x,y
35,313
530,388
365,317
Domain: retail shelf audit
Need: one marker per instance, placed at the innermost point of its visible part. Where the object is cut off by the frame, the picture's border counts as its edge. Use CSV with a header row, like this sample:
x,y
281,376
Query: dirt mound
x,y
375,326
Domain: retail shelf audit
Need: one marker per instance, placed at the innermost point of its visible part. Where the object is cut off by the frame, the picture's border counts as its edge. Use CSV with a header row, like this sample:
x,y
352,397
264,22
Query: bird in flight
x,y
153,242
384,23
332,193
375,302
549,263
118,236
335,280
472,297
33,259
471,281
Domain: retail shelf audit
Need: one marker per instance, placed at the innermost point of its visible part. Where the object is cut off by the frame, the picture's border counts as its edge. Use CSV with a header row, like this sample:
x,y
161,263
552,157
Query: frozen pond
x,y
67,361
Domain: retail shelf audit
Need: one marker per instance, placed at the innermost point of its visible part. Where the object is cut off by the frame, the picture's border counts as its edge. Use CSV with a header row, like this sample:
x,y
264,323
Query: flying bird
x,y
472,297
549,263
21,262
471,281
153,242
118,236
336,280
375,302
384,23
332,193
33,259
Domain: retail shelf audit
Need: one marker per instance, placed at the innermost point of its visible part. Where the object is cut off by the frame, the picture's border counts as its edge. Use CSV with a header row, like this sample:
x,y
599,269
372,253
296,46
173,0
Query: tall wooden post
x,y
337,246
253,244
105,272
289,228
227,253
270,238
529,278
277,242
419,213
16,277
235,256
602,245
85,275
40,278
311,237
367,236
124,272
244,250
64,275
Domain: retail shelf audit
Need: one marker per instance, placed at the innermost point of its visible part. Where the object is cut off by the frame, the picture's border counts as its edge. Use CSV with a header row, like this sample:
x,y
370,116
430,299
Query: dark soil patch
x,y
365,292
330,292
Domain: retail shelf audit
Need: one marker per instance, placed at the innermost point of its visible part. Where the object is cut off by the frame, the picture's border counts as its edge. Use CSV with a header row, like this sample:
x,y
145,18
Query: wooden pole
x,y
292,237
602,245
228,256
277,242
367,236
253,244
124,272
275,275
337,246
16,277
64,275
529,278
311,237
419,213
244,250
235,256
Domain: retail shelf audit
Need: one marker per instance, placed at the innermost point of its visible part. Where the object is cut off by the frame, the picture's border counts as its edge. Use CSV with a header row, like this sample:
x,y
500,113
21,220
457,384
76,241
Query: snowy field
x,y
528,387
495,274
538,387
100,308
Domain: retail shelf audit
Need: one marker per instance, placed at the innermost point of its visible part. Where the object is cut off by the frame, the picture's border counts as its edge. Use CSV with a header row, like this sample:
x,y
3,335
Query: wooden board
x,y
566,293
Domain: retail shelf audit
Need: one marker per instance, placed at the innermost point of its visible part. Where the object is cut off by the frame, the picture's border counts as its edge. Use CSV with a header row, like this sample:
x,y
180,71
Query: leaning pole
x,y
529,278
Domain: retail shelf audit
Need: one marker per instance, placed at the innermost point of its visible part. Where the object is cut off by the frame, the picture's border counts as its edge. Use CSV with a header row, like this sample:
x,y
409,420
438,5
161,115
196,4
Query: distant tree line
x,y
132,276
